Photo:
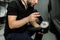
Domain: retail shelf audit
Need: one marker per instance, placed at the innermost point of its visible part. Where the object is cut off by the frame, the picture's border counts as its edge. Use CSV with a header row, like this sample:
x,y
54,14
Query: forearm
x,y
35,24
19,23
13,23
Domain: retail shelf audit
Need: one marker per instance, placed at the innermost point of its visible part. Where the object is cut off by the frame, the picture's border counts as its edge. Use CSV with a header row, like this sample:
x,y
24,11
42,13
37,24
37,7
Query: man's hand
x,y
35,24
33,18
40,33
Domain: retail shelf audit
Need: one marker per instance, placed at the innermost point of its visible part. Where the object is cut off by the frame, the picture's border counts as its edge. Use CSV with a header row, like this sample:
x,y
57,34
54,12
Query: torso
x,y
21,13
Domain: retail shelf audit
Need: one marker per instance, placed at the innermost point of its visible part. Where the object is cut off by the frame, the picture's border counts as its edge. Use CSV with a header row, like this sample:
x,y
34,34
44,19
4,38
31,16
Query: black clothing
x,y
38,36
20,12
18,36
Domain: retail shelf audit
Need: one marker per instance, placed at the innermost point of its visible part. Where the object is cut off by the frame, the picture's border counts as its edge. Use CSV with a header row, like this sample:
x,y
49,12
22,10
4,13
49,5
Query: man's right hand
x,y
34,16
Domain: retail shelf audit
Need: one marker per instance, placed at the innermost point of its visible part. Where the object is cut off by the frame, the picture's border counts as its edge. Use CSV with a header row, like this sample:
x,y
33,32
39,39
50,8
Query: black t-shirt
x,y
18,10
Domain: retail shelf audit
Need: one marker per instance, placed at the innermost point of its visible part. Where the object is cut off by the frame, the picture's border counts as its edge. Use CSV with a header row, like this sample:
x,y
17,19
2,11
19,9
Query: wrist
x,y
27,19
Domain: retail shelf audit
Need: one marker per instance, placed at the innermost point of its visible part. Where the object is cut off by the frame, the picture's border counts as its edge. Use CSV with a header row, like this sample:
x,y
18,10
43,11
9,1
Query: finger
x,y
37,15
35,19
40,33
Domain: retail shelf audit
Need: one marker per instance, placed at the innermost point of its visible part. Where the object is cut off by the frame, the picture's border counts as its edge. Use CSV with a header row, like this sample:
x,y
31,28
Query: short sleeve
x,y
12,8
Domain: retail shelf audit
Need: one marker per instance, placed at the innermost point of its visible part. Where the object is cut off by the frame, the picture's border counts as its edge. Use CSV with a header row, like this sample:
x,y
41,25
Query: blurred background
x,y
42,7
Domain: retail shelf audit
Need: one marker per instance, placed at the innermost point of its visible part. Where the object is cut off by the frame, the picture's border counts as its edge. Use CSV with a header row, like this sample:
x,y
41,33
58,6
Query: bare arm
x,y
13,23
35,24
